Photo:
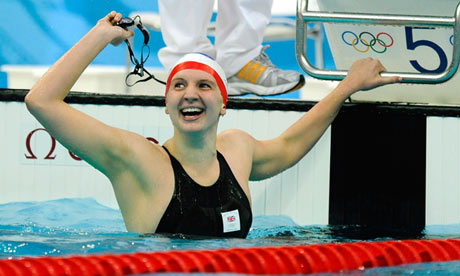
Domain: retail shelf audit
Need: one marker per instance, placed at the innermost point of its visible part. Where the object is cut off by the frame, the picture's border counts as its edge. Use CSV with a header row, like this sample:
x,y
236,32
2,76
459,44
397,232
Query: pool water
x,y
83,226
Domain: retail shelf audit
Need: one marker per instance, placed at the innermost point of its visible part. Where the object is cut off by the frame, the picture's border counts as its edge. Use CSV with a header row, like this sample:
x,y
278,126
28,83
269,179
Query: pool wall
x,y
379,164
35,169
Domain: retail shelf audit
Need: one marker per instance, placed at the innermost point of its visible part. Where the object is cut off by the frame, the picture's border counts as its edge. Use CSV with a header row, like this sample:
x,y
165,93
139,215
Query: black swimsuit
x,y
220,210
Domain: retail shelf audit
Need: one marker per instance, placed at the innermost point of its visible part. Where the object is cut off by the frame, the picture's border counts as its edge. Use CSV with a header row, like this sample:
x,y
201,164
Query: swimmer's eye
x,y
205,85
179,85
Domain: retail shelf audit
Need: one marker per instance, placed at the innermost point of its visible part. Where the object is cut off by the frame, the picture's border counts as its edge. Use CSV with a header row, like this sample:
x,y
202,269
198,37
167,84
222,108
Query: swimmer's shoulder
x,y
144,162
235,140
138,149
234,135
133,142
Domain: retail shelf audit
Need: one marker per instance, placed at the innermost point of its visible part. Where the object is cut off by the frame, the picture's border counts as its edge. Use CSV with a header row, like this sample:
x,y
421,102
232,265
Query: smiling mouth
x,y
191,112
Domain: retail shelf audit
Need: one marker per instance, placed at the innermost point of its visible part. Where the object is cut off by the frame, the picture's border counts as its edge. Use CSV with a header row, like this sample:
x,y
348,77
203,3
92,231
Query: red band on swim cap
x,y
203,63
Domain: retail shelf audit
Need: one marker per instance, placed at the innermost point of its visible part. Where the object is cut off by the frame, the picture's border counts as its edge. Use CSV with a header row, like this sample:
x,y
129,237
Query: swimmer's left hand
x,y
365,74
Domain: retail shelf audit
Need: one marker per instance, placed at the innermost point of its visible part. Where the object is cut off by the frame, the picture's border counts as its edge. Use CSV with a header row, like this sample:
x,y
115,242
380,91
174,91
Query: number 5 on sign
x,y
413,44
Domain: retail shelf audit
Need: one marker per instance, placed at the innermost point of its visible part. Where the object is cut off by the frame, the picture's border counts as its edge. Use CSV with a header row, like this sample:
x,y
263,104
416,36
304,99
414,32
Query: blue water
x,y
83,226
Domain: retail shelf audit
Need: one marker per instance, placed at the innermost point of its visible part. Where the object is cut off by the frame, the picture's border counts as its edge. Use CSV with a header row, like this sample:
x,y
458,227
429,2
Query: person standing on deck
x,y
239,33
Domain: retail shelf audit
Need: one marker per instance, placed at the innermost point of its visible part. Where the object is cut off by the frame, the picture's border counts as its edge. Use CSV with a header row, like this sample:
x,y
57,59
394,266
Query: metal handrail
x,y
304,16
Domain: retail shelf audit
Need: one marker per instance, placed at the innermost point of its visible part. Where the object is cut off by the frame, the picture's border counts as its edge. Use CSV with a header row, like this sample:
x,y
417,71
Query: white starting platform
x,y
418,40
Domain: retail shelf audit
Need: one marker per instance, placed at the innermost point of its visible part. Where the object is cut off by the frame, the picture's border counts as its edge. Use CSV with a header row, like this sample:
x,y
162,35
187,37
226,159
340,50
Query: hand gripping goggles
x,y
139,69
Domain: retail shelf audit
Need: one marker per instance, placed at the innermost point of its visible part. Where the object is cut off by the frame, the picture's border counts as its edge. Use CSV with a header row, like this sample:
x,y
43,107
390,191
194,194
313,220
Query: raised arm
x,y
273,156
89,138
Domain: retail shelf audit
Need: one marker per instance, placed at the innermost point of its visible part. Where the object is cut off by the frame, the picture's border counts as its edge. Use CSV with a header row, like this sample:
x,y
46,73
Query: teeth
x,y
192,109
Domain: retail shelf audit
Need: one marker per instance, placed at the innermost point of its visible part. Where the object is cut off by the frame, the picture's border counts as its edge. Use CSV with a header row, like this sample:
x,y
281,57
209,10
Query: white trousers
x,y
240,26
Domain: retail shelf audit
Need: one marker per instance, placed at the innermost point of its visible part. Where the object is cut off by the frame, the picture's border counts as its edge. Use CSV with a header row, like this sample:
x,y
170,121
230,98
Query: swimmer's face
x,y
194,101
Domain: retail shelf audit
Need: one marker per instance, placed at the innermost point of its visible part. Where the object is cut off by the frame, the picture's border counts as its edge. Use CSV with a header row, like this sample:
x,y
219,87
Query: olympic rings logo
x,y
376,43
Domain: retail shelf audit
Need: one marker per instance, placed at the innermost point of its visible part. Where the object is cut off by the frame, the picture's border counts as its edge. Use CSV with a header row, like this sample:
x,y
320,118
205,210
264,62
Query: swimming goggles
x,y
139,69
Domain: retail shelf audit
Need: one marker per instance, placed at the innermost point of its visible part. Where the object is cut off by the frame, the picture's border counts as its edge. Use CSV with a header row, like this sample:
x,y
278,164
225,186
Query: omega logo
x,y
51,155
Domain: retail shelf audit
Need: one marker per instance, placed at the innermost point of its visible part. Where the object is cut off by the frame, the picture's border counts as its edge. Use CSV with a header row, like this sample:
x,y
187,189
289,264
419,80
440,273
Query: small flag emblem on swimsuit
x,y
231,221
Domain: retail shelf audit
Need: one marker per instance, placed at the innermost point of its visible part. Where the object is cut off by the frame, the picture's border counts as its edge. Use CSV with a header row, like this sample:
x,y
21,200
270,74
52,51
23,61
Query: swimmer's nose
x,y
190,94
190,99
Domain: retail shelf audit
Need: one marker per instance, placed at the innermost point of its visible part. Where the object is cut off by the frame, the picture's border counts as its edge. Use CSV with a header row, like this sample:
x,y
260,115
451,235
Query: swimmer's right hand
x,y
116,34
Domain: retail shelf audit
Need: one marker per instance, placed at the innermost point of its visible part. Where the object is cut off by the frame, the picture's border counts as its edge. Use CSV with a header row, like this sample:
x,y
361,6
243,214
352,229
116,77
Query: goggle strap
x,y
136,72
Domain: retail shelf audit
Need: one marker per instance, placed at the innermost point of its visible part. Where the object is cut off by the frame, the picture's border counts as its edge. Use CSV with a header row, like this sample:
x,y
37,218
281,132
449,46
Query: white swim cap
x,y
199,61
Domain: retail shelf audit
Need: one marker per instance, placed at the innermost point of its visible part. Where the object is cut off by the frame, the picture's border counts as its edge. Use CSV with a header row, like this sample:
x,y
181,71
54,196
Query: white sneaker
x,y
262,78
